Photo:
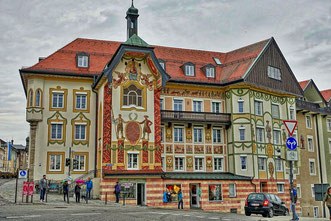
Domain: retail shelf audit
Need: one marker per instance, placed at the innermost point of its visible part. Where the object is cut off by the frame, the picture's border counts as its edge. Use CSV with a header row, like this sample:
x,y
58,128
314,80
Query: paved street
x,y
56,209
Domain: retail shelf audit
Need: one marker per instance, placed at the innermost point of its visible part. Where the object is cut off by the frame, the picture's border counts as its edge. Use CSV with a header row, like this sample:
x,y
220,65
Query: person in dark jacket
x,y
117,192
89,187
180,199
66,191
327,200
77,192
43,187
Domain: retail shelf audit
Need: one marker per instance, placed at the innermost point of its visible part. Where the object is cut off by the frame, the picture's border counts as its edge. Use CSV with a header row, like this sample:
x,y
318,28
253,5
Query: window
x,y
316,213
328,124
81,101
179,163
242,133
215,192
275,110
312,190
292,114
189,70
329,145
218,163
198,135
279,165
243,161
163,164
232,190
133,161
80,132
259,134
308,121
217,61
173,189
310,143
57,100
299,190
178,105
241,105
162,134
56,131
274,73
132,95
130,190
82,61
197,106
312,169
276,136
217,135
162,63
80,163
30,98
216,107
198,164
178,134
161,104
38,98
280,187
55,162
258,108
210,72
261,163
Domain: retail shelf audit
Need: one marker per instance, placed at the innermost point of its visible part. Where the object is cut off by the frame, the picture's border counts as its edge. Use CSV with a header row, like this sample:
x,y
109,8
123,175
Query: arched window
x,y
30,98
132,96
38,98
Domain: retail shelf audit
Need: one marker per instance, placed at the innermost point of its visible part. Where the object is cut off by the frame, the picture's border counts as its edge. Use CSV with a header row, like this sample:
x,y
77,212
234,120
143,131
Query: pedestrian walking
x,y
117,192
165,196
180,199
77,192
43,187
66,191
327,200
89,187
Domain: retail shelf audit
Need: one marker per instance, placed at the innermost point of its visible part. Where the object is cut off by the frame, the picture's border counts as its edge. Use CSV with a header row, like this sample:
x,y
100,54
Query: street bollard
x,y
106,199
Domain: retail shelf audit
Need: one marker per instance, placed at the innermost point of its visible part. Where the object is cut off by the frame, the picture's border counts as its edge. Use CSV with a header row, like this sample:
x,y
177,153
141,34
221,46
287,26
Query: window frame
x,y
283,187
40,98
220,135
310,148
127,163
271,72
241,162
82,56
235,190
241,102
222,163
189,67
222,196
292,110
280,163
318,213
328,124
256,101
310,172
219,103
162,133
58,90
308,125
273,105
194,106
182,129
176,167
298,188
195,136
56,130
81,93
80,130
61,170
258,136
279,136
312,188
242,128
264,164
175,104
202,162
208,73
174,197
86,160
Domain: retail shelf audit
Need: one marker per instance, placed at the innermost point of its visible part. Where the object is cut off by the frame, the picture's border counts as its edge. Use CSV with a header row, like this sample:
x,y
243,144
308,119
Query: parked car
x,y
266,204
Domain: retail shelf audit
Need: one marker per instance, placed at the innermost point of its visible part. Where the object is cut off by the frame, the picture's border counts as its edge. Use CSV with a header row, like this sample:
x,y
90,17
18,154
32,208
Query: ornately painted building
x,y
156,118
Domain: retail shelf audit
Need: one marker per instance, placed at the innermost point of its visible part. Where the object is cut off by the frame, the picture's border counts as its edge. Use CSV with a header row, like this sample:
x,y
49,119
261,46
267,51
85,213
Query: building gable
x,y
312,93
272,58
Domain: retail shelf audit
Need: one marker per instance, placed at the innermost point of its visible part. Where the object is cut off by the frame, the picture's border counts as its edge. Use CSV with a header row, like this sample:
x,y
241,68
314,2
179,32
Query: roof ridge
x,y
267,40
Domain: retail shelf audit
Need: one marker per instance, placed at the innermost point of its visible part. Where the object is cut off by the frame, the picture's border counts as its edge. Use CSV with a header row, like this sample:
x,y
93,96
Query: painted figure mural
x,y
147,127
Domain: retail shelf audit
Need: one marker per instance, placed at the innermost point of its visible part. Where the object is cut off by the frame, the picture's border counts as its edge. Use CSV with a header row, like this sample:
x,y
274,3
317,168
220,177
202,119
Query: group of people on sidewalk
x,y
65,188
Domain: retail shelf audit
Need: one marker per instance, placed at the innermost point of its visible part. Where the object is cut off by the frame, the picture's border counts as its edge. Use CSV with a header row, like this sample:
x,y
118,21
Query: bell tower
x,y
132,21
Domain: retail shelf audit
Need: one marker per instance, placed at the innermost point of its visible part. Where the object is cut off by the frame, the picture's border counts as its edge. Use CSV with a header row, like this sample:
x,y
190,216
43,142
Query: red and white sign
x,y
290,126
31,185
25,188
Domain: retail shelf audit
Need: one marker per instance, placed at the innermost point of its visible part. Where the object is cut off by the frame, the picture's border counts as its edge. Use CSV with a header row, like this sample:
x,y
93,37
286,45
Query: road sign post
x,y
292,156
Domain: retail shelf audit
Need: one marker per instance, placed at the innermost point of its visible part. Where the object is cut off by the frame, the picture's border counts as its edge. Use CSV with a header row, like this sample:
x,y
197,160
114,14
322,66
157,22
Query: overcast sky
x,y
34,28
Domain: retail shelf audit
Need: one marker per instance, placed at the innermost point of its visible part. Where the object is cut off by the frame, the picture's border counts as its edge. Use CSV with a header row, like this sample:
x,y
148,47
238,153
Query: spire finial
x,y
132,4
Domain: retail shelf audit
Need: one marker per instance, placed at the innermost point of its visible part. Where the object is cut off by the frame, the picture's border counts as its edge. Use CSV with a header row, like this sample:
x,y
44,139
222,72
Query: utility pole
x,y
69,168
292,190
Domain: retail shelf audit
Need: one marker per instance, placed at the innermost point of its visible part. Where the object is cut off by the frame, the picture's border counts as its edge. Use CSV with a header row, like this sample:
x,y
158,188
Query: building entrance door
x,y
194,195
141,194
263,187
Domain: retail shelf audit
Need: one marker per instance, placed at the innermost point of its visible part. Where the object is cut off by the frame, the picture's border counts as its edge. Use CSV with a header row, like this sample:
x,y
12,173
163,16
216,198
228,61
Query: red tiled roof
x,y
303,84
234,63
326,94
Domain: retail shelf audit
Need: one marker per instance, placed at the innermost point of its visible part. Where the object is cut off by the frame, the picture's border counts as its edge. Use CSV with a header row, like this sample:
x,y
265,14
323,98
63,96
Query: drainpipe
x,y
96,133
251,180
319,157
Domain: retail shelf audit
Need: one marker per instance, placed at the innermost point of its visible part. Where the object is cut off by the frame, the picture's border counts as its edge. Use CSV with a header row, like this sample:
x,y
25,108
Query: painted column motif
x,y
106,154
157,126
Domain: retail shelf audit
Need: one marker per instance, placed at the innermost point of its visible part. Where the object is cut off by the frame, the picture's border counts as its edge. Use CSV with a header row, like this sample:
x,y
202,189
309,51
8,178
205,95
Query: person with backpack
x,y
327,200
77,192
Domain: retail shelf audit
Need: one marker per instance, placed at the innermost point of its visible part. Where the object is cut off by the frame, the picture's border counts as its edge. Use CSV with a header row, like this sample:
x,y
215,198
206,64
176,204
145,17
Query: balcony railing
x,y
189,116
304,105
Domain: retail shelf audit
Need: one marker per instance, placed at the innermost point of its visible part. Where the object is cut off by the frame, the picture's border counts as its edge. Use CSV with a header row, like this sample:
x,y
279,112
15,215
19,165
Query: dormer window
x,y
209,70
274,73
162,63
82,60
189,70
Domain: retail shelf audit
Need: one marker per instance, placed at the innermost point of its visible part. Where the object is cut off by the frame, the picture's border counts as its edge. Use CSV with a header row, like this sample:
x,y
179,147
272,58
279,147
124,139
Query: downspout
x,y
96,133
251,180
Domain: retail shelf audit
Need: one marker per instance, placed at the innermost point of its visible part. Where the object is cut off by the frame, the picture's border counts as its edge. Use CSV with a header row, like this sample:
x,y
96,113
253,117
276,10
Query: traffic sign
x,y
292,155
22,174
291,143
290,126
